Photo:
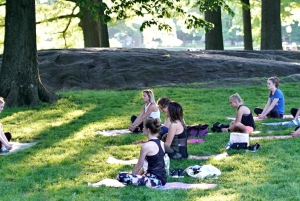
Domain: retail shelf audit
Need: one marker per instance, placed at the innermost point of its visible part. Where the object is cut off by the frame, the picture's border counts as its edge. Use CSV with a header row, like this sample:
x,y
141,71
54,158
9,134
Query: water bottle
x,y
167,164
228,145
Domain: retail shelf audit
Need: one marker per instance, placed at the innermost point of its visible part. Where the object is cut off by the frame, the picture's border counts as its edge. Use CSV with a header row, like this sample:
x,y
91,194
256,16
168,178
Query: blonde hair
x,y
2,100
150,94
236,97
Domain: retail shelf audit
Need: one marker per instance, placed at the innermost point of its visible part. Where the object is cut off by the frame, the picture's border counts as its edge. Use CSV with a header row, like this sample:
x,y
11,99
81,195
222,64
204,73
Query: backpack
x,y
217,127
197,130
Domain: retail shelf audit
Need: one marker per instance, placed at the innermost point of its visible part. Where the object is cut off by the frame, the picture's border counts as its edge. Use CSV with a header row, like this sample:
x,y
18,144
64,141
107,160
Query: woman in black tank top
x,y
244,121
153,152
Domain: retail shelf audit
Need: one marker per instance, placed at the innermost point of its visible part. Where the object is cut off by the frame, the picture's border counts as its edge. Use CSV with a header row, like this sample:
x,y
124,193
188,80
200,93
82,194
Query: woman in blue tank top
x,y
153,152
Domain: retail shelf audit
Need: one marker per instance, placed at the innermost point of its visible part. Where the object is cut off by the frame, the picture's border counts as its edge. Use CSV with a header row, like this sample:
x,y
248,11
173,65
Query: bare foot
x,y
295,134
224,130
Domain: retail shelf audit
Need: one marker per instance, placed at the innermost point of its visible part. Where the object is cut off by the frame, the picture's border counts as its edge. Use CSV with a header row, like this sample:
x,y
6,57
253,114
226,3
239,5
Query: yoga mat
x,y
185,186
287,116
108,183
113,132
112,160
195,140
16,146
271,137
168,186
205,157
285,123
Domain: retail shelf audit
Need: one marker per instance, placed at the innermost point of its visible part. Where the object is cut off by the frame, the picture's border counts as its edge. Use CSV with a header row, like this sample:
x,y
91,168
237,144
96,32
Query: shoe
x,y
180,173
257,146
254,148
174,173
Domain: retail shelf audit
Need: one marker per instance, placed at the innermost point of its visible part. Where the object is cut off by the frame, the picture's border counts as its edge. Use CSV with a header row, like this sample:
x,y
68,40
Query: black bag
x,y
239,145
197,130
217,127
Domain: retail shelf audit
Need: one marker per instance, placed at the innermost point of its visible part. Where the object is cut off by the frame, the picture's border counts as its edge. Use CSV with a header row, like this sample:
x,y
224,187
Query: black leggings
x,y
294,111
273,113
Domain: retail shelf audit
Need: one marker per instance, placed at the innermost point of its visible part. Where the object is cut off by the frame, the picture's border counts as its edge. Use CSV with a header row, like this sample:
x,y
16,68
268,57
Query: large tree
x,y
270,25
214,37
19,77
248,44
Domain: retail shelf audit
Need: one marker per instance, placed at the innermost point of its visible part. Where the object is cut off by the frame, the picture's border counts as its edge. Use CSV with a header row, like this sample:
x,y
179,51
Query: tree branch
x,y
58,17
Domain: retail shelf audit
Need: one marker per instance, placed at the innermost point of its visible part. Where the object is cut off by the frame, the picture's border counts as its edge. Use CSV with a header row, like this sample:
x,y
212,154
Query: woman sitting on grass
x,y
275,105
163,104
176,139
4,138
244,121
149,109
153,152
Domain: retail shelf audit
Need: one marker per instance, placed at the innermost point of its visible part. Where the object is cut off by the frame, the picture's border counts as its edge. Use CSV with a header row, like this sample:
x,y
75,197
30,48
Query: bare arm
x,y
143,154
270,106
171,134
143,115
134,124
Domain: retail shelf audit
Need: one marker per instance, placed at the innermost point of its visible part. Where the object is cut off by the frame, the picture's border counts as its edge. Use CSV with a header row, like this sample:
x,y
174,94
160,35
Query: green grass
x,y
69,154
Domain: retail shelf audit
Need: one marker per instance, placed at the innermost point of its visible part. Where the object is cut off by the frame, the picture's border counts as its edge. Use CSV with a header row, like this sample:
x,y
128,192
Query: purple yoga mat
x,y
195,140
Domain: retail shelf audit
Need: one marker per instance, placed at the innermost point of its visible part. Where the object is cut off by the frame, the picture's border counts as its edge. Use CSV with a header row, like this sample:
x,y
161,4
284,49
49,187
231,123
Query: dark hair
x,y
163,102
176,112
153,125
275,81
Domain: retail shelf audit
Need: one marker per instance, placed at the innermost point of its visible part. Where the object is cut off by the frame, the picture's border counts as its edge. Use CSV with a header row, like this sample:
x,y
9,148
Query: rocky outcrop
x,y
99,68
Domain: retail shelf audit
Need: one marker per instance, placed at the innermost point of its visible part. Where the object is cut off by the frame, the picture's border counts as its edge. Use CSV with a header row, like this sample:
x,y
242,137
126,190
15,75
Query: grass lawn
x,y
69,153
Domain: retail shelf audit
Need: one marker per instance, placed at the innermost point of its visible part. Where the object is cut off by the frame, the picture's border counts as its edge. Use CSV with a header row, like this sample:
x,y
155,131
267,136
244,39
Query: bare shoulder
x,y
153,107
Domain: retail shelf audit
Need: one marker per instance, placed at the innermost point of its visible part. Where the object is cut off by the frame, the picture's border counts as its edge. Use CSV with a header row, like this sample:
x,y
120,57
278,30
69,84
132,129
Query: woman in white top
x,y
149,110
4,138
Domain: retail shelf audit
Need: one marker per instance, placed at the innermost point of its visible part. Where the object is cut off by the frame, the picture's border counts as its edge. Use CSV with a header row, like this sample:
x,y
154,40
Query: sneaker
x,y
174,173
180,173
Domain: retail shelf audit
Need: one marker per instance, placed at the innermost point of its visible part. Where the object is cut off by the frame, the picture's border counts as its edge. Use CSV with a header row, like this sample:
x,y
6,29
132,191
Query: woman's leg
x,y
239,127
148,180
274,114
139,128
294,111
258,111
3,139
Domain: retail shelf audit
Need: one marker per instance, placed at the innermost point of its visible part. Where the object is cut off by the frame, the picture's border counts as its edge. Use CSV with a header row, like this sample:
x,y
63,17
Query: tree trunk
x,y
248,45
89,29
270,25
19,77
214,38
103,30
95,32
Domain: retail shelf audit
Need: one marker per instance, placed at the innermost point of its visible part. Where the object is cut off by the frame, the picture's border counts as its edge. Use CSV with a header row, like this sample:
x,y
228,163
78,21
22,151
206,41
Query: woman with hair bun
x,y
275,105
149,109
244,121
153,152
